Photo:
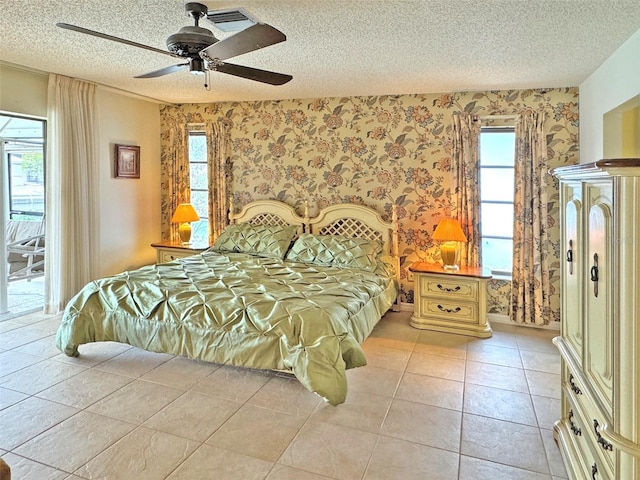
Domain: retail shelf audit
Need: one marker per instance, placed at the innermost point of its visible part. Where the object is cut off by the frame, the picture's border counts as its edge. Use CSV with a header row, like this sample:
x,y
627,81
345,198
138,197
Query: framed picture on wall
x,y
127,161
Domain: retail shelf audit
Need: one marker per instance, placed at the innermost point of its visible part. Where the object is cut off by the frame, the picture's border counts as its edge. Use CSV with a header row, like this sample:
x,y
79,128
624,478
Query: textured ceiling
x,y
334,47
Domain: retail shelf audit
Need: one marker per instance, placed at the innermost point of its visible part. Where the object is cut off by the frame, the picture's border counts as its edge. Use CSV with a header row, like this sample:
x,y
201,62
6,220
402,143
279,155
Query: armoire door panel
x,y
572,279
598,343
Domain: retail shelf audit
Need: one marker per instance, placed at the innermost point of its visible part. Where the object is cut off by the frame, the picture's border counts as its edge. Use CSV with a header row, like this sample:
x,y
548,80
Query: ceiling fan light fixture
x,y
197,66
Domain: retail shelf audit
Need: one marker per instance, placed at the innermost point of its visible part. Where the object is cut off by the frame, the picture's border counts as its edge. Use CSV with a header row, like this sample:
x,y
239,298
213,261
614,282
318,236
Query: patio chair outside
x,y
25,249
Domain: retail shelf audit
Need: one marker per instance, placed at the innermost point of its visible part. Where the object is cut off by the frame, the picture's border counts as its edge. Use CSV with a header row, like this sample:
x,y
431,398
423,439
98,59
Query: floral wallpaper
x,y
377,151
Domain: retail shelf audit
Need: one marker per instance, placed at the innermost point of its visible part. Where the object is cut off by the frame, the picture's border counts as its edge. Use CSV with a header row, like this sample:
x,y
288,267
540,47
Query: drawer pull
x,y
576,430
447,289
570,257
594,274
594,471
601,441
574,387
449,310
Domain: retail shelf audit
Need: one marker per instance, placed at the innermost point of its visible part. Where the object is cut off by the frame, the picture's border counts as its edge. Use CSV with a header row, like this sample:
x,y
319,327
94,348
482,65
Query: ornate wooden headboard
x,y
270,212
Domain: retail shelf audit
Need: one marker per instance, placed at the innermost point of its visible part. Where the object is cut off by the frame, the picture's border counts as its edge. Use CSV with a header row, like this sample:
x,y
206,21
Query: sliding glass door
x,y
22,189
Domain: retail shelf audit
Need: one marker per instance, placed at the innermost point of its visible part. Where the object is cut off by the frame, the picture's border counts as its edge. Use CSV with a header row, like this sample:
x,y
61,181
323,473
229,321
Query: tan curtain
x,y
219,170
178,161
530,283
465,198
72,237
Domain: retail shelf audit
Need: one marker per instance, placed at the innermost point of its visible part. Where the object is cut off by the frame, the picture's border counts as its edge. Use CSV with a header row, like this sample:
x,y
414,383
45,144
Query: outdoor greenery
x,y
33,166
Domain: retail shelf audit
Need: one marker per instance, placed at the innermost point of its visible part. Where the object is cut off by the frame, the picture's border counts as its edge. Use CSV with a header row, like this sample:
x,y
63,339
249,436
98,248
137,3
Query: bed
x,y
277,291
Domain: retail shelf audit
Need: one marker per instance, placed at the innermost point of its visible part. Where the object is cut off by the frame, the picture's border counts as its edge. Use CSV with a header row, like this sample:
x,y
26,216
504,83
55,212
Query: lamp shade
x,y
448,230
185,213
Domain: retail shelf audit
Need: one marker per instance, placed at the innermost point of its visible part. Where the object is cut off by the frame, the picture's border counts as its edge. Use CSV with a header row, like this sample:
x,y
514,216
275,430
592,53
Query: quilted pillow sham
x,y
262,240
335,250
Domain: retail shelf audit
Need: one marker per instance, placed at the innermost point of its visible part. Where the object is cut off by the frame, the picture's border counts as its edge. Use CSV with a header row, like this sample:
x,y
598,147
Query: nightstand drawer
x,y
454,287
168,251
450,310
450,301
169,256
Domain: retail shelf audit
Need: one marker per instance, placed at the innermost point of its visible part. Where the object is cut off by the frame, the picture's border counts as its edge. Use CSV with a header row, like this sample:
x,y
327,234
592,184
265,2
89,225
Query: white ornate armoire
x,y
599,429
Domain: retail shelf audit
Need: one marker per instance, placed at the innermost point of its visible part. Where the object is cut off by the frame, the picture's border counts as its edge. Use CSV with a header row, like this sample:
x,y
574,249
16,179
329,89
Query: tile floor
x,y
428,406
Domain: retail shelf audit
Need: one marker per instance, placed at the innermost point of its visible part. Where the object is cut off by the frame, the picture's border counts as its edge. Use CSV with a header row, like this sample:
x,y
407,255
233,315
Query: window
x,y
24,165
497,151
198,177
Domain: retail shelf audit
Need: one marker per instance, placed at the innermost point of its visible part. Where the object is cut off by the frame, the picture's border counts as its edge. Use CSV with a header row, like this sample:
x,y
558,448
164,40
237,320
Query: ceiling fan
x,y
204,52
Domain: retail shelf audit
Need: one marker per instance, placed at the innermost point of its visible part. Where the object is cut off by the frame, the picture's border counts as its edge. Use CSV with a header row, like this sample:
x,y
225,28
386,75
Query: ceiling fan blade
x,y
115,39
253,38
264,76
164,71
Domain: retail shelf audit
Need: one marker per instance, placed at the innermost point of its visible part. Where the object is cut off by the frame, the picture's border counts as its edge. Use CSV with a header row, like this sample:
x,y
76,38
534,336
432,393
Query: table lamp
x,y
449,232
184,214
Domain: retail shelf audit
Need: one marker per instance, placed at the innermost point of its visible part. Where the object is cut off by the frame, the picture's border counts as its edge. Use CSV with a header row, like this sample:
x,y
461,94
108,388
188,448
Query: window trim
x,y
496,273
11,212
198,133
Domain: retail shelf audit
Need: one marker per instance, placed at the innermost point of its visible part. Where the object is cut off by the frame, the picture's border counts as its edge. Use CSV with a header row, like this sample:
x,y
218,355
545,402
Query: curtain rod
x,y
498,117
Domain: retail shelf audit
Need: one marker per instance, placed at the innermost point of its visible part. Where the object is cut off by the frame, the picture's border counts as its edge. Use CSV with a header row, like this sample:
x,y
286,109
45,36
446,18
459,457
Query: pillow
x,y
386,265
262,240
335,250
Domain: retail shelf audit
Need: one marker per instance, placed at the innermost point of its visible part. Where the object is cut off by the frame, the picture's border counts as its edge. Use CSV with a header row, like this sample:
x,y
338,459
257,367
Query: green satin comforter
x,y
241,310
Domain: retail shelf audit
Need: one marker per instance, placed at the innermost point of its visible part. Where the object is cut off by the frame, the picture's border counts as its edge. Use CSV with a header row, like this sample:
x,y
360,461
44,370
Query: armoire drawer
x,y
587,437
584,397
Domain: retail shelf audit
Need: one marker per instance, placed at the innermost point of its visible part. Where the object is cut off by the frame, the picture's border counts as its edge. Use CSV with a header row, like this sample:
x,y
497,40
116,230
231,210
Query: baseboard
x,y
9,314
406,307
498,318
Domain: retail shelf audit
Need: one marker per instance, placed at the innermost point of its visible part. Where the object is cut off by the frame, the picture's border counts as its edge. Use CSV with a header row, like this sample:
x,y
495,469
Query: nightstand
x,y
169,251
450,301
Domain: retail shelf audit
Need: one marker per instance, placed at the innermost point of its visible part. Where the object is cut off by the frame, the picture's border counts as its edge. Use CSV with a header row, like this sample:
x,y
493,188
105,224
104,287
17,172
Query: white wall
x,y
616,81
129,208
23,91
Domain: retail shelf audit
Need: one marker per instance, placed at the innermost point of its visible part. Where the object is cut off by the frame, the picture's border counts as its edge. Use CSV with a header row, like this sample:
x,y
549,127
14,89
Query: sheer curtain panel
x,y
530,281
465,198
71,247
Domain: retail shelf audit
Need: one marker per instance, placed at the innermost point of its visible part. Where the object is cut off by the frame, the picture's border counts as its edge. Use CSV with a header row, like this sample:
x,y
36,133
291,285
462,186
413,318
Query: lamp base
x,y
184,231
451,268
449,252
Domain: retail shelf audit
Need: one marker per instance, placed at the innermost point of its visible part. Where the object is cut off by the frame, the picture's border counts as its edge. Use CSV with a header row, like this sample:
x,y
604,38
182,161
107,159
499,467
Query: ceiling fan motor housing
x,y
190,40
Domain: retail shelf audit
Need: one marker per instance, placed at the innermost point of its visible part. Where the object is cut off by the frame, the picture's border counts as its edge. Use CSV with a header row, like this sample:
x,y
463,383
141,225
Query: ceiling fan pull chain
x,y
207,83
